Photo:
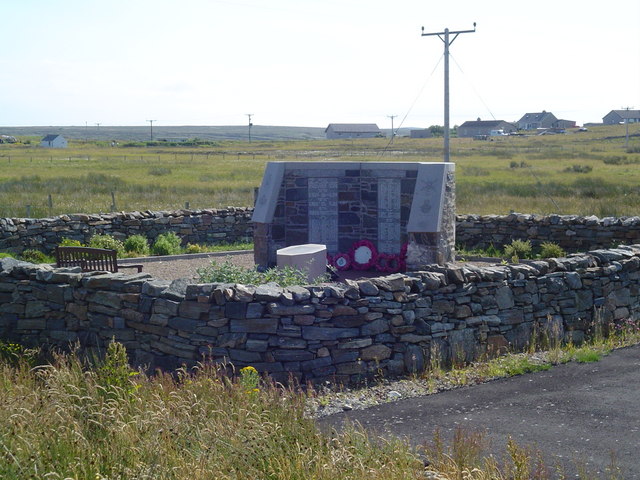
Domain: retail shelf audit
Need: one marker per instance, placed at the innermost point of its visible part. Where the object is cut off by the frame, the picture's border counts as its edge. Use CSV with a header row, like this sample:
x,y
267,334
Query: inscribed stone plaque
x,y
426,207
389,230
323,212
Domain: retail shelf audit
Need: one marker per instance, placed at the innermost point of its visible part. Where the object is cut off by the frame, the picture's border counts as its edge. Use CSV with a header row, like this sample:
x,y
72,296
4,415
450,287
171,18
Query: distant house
x,y
53,141
352,130
472,128
532,121
615,117
564,124
421,133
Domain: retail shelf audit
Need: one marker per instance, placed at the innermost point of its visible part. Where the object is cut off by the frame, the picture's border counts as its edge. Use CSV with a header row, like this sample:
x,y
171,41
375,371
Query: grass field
x,y
577,173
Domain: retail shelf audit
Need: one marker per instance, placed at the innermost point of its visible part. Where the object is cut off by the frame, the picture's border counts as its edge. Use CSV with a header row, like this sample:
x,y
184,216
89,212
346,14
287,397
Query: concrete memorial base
x,y
310,258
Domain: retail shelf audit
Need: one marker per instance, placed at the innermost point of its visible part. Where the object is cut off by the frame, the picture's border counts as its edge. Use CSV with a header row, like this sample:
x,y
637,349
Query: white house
x,y
53,141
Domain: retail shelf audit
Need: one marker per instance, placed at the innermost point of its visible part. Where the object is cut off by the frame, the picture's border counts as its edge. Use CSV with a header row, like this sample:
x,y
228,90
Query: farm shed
x,y
472,128
564,124
352,130
53,141
615,117
421,133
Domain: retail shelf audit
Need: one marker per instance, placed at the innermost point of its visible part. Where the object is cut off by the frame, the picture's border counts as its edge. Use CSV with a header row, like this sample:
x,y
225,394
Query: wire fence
x,y
48,208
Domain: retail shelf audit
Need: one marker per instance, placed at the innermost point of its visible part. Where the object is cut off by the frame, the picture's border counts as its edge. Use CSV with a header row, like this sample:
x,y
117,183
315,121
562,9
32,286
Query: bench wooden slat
x,y
91,259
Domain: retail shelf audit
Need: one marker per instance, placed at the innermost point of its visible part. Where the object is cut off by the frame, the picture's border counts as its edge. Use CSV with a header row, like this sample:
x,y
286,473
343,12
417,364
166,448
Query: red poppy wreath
x,y
363,255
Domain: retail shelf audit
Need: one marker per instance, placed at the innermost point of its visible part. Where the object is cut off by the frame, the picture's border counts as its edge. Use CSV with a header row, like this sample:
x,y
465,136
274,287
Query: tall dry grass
x,y
66,421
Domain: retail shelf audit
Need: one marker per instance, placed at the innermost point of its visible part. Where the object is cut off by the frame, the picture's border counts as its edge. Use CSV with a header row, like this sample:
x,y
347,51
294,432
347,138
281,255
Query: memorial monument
x,y
403,209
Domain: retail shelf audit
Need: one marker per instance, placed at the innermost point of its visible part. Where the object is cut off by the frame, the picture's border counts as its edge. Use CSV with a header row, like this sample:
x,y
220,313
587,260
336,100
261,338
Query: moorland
x,y
584,173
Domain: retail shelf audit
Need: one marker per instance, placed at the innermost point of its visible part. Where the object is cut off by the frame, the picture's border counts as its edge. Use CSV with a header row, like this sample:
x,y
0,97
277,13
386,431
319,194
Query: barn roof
x,y
353,127
50,138
482,123
630,114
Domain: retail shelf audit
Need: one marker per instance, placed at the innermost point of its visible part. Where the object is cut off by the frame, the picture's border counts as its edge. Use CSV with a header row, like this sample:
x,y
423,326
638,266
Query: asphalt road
x,y
572,413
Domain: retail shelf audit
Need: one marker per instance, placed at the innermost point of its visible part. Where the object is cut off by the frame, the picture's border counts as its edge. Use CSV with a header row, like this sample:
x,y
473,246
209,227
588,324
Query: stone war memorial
x,y
402,214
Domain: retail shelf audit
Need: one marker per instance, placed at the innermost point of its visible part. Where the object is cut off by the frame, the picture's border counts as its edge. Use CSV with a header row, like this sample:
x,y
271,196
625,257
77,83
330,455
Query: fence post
x,y
28,211
50,205
113,201
186,205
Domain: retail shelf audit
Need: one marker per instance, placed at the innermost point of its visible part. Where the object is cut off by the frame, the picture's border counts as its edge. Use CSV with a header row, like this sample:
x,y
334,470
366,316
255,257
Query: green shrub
x,y
35,256
115,373
518,249
167,244
229,273
108,242
137,245
579,169
196,248
551,250
5,255
70,242
14,354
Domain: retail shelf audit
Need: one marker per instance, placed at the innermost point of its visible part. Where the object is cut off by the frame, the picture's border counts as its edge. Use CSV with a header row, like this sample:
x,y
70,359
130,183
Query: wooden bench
x,y
91,259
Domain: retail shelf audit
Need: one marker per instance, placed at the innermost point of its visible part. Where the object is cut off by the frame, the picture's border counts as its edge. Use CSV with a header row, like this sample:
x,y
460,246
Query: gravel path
x,y
185,266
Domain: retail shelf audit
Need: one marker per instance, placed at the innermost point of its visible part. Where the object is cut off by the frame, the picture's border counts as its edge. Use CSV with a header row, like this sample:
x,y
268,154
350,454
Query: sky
x,y
313,62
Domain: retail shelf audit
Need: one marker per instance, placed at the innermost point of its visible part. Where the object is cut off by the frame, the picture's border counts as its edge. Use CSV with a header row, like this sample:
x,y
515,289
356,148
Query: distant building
x,y
564,124
8,139
615,117
352,130
533,121
53,141
474,128
421,133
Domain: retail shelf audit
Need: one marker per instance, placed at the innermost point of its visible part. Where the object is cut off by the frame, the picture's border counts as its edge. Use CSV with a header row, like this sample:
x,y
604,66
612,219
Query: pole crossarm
x,y
444,36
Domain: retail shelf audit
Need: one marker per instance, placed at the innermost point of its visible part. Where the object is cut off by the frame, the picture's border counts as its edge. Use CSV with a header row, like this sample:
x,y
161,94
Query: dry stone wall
x,y
337,332
211,226
573,233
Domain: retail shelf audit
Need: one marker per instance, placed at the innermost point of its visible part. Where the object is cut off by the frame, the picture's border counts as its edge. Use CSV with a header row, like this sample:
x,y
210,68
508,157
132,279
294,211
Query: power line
x,y
415,100
473,87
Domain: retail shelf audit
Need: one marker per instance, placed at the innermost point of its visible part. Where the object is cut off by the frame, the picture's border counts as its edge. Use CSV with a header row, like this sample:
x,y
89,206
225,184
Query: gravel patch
x,y
185,266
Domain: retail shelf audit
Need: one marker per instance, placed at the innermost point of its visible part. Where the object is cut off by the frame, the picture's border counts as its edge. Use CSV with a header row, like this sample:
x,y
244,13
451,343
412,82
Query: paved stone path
x,y
581,412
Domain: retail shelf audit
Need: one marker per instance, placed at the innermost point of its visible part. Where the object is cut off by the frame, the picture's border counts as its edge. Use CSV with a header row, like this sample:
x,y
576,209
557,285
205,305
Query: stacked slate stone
x,y
344,333
210,226
572,232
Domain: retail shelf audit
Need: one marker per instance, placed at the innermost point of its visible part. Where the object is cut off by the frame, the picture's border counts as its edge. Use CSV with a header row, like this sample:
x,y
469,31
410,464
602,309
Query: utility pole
x,y
626,124
444,36
250,124
392,132
151,125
